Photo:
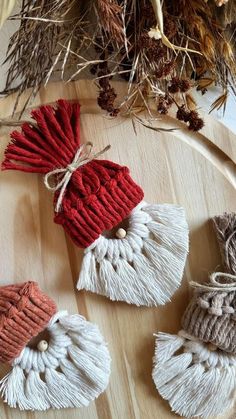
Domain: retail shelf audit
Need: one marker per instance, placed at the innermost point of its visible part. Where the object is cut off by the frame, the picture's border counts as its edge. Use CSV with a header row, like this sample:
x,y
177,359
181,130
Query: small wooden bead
x,y
212,347
42,346
121,233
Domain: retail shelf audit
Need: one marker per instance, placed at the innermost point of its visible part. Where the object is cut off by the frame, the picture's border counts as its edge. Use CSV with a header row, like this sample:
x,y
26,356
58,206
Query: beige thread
x,y
83,156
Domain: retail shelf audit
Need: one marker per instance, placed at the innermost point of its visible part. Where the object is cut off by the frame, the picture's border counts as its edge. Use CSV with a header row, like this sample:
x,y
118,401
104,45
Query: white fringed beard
x,y
196,381
144,268
73,371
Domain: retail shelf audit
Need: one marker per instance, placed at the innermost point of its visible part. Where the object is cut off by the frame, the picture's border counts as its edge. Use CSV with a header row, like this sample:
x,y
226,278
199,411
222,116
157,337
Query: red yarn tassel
x,y
98,195
51,144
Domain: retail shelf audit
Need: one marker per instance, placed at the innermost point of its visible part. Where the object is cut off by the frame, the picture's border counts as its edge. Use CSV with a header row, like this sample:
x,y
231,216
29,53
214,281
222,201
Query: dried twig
x,y
149,126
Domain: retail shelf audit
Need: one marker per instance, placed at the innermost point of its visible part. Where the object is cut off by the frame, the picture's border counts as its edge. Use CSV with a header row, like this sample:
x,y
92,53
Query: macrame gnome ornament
x,y
196,370
143,264
71,369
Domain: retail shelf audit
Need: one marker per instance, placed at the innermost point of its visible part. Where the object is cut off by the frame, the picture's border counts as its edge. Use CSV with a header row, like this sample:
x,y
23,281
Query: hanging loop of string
x,y
215,285
84,155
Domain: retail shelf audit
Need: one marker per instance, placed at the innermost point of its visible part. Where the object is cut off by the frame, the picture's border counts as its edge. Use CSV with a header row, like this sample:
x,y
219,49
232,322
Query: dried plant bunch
x,y
109,14
42,43
155,47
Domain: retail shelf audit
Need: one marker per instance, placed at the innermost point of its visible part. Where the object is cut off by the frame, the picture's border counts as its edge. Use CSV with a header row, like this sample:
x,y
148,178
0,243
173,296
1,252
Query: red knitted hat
x,y
105,195
99,193
24,312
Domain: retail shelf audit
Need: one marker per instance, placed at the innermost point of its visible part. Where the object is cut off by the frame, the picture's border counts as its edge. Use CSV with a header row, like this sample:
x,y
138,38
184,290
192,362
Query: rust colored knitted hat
x,y
69,369
24,312
141,265
201,381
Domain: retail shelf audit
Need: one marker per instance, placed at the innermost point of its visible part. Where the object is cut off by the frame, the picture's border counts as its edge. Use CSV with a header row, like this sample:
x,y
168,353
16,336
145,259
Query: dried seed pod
x,y
184,85
190,102
174,86
182,114
165,69
164,104
195,122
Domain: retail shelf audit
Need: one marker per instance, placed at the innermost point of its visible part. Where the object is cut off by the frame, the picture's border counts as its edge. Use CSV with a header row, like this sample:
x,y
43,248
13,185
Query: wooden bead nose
x,y
212,347
42,346
121,233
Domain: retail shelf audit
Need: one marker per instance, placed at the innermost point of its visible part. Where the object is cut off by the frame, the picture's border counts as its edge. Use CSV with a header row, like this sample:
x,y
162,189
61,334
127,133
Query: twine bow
x,y
215,285
83,156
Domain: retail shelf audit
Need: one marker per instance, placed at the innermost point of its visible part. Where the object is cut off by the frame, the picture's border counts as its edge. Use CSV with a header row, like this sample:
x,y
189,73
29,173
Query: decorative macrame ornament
x,y
196,369
143,264
70,369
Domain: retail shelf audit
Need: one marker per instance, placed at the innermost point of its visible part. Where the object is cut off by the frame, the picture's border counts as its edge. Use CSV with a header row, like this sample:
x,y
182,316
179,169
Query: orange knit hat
x,y
68,369
24,312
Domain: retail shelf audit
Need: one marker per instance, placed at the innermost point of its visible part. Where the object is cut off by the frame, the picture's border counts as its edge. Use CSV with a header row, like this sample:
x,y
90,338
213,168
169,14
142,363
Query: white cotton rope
x,y
195,380
145,267
72,372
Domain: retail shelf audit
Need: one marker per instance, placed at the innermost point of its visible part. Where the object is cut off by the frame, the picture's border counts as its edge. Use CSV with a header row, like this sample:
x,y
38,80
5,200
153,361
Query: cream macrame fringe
x,y
74,370
196,381
145,267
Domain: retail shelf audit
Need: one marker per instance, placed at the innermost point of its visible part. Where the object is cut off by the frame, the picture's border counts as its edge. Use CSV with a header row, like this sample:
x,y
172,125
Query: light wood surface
x,y
194,170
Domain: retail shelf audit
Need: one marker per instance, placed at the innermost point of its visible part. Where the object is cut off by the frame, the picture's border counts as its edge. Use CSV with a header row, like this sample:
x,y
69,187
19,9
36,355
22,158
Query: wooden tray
x,y
195,170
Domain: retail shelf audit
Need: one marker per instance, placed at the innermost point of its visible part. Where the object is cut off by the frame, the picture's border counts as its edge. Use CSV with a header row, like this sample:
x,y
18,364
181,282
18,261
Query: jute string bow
x,y
229,279
83,156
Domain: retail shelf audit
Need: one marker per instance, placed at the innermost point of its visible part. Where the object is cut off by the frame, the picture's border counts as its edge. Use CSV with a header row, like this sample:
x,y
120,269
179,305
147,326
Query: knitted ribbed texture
x,y
99,194
211,316
24,312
